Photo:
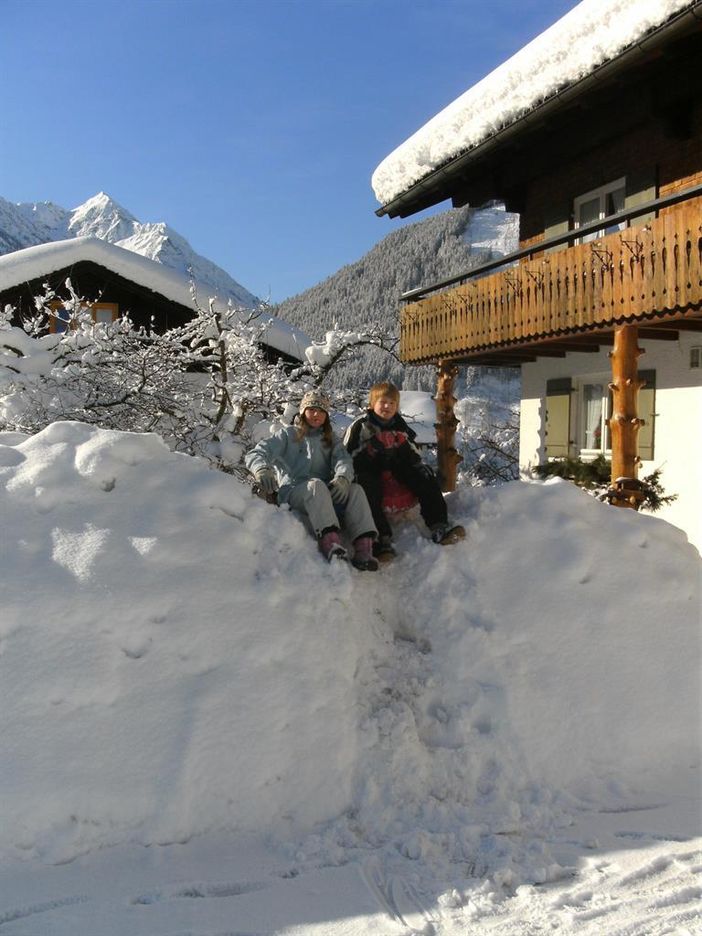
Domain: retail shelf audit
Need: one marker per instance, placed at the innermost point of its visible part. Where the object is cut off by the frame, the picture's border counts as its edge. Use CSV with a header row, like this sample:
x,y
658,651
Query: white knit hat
x,y
316,399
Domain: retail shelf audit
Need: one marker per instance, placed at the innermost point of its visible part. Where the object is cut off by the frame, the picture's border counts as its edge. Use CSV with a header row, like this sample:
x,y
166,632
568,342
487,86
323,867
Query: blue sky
x,y
252,127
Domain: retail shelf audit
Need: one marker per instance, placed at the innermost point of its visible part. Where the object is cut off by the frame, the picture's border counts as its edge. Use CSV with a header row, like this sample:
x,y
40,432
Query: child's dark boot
x,y
363,554
383,549
444,535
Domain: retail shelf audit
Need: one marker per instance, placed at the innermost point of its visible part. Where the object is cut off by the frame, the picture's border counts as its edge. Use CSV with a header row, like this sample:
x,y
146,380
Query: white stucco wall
x,y
678,420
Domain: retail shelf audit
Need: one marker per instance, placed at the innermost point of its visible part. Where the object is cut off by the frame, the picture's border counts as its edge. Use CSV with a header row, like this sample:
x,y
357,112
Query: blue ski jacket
x,y
296,460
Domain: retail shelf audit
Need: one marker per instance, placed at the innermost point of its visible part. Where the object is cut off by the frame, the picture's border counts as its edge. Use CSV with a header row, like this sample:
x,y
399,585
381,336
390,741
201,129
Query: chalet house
x,y
116,281
593,134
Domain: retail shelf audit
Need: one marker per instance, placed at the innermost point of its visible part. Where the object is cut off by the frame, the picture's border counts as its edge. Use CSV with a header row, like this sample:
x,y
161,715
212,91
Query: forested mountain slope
x,y
368,292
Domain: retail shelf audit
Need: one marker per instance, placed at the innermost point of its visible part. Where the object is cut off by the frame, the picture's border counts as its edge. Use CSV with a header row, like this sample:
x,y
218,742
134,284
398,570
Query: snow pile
x,y
493,231
175,658
594,32
533,674
159,673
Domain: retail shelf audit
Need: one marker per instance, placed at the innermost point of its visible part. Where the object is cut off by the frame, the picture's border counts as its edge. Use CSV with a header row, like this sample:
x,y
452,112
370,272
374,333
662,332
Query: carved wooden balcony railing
x,y
649,274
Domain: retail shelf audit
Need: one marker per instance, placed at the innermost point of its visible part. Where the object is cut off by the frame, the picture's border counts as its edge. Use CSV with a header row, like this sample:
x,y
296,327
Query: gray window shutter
x,y
556,221
558,392
647,412
641,188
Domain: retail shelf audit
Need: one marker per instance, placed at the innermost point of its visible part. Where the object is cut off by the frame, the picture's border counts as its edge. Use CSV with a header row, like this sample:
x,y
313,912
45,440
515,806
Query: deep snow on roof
x,y
592,33
21,266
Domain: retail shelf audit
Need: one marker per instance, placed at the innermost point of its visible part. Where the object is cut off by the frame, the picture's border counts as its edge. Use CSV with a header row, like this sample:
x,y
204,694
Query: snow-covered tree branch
x,y
202,386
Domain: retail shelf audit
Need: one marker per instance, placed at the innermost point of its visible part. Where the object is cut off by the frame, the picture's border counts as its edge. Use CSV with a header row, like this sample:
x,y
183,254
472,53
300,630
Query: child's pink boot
x,y
330,545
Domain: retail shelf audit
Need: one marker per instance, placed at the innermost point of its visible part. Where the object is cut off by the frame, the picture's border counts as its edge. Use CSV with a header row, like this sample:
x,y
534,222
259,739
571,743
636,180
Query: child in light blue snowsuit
x,y
309,469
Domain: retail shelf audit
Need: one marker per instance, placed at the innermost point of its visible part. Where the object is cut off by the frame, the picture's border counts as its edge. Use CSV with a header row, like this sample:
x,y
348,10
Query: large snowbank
x,y
154,620
592,33
175,658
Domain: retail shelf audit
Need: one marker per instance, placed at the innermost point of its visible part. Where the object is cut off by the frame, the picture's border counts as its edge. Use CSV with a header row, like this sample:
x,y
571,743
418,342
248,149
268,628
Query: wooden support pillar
x,y
446,422
624,423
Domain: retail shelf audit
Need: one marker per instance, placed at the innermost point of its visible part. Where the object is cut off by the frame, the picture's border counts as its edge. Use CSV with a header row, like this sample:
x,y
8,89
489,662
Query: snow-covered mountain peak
x,y
101,216
149,239
52,216
27,224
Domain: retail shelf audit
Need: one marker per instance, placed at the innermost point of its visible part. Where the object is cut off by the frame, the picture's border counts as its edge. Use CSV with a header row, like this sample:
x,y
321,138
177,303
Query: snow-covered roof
x,y
418,409
21,266
591,34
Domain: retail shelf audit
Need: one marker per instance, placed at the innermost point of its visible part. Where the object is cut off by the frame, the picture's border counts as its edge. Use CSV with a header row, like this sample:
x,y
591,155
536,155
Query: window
x,y
62,316
600,203
578,412
696,356
105,312
595,407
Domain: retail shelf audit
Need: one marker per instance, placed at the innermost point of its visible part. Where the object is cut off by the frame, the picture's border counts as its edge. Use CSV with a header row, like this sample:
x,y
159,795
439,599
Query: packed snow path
x,y
500,736
210,887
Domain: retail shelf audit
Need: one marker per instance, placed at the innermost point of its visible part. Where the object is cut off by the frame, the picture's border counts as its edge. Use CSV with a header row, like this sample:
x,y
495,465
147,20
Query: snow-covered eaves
x,y
31,263
592,34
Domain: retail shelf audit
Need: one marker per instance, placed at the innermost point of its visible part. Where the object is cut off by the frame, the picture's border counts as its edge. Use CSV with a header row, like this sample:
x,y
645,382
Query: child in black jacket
x,y
381,441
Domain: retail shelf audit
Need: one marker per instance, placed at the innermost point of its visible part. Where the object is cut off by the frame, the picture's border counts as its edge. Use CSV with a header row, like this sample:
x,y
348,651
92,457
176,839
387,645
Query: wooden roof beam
x,y
584,347
546,351
595,339
682,324
659,334
512,360
489,359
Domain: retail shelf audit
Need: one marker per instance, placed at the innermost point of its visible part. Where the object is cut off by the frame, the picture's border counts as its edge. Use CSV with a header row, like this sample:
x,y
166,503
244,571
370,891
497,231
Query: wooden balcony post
x,y
446,422
624,424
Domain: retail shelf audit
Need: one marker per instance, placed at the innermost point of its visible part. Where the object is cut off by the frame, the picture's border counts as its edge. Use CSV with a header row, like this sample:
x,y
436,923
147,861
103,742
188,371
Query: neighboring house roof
x,y
22,266
418,409
576,47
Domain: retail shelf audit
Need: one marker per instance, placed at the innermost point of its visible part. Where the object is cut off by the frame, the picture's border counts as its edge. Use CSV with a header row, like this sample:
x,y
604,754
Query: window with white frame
x,y
593,409
597,204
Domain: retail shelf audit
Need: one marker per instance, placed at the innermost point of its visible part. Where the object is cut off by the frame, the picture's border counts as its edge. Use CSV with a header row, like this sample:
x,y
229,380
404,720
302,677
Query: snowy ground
x,y
207,731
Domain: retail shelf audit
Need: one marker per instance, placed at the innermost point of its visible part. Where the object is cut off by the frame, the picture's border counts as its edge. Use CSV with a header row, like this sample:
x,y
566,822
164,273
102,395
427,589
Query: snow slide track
x,y
397,898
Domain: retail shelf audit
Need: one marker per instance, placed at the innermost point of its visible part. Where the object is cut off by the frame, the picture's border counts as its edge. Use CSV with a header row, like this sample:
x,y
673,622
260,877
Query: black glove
x,y
363,461
407,454
426,471
381,457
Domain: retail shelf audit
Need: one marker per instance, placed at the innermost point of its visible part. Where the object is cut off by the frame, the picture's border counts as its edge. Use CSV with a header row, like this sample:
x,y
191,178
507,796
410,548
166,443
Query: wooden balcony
x,y
567,299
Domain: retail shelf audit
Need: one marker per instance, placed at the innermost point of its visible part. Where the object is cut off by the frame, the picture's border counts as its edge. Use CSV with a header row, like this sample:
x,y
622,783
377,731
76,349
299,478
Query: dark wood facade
x,y
637,116
627,137
96,283
640,122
